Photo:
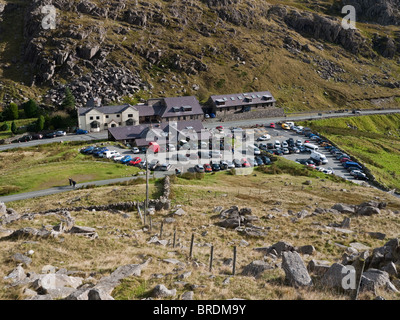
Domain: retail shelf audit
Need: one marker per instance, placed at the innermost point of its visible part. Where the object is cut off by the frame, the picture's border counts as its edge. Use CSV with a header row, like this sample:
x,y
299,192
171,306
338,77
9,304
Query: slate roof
x,y
140,131
106,109
240,99
179,103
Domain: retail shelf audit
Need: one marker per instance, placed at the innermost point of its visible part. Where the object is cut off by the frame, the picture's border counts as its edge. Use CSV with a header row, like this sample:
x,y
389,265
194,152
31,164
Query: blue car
x,y
126,159
81,131
87,149
101,150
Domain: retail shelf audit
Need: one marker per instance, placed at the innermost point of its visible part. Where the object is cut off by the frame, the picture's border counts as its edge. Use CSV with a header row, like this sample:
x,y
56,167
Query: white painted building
x,y
96,119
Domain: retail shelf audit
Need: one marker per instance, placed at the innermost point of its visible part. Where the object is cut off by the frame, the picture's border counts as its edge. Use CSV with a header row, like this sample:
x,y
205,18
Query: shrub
x,y
4,127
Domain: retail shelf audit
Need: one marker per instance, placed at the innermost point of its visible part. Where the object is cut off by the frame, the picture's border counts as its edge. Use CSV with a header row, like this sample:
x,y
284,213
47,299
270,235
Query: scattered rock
x,y
188,295
160,291
256,268
295,270
18,257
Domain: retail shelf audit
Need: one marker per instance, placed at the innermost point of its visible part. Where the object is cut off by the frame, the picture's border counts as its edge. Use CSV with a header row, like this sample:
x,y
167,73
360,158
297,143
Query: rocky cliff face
x,y
112,49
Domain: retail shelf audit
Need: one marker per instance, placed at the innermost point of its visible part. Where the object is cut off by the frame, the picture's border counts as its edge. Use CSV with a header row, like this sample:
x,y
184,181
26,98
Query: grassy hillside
x,y
124,241
375,140
47,166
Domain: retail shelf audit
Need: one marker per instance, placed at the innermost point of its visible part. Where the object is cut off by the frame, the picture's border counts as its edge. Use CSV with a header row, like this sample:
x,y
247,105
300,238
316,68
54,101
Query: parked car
x,y
231,165
135,161
199,168
153,164
165,167
264,137
277,144
25,138
360,176
266,160
110,154
98,153
354,172
270,145
50,135
60,133
245,163
81,131
118,158
37,136
207,167
285,151
272,125
87,149
126,159
237,163
215,167
135,150
223,164
259,161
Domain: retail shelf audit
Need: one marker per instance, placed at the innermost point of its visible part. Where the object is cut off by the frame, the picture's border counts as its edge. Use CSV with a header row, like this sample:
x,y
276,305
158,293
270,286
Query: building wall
x,y
226,111
269,112
104,119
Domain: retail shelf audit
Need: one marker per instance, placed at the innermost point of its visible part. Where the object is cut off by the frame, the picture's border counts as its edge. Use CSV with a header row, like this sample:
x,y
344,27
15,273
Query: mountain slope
x,y
114,49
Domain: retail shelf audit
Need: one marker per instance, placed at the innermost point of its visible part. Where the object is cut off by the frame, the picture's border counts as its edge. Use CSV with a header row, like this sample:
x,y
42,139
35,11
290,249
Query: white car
x,y
60,133
298,143
135,150
118,158
264,137
285,144
231,165
277,144
110,154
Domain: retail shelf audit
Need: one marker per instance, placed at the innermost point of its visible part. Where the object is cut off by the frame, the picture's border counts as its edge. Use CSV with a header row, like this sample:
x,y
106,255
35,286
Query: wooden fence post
x,y
234,261
211,257
161,229
191,246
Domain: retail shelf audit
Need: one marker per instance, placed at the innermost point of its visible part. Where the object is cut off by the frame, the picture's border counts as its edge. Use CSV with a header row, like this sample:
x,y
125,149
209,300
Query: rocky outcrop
x,y
383,12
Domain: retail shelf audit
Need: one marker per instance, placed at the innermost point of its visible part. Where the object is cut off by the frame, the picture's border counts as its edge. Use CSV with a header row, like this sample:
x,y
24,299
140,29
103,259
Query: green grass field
x,y
46,166
374,140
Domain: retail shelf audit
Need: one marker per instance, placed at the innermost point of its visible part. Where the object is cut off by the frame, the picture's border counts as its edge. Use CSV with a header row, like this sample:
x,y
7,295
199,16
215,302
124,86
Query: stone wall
x,y
269,112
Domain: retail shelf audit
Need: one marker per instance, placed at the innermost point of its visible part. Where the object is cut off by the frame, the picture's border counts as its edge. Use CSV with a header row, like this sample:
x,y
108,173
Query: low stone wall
x,y
269,112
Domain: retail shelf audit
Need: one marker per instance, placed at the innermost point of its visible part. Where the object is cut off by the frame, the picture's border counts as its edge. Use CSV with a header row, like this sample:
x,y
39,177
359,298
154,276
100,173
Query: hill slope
x,y
114,49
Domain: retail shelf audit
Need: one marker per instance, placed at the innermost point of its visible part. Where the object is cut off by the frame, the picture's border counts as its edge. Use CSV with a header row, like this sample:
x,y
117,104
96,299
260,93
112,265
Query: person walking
x,y
73,183
70,181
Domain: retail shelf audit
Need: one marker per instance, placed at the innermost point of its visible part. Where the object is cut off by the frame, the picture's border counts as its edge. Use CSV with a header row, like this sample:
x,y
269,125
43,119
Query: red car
x,y
135,161
207,168
344,159
272,125
220,128
245,163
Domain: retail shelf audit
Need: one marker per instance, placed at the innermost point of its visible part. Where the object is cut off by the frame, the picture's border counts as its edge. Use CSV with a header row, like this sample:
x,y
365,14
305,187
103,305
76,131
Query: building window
x,y
130,115
118,115
91,118
119,123
106,116
105,125
97,118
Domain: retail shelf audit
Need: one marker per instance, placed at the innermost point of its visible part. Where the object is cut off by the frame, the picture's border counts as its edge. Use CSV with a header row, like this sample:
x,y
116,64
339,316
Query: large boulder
x,y
333,276
344,208
295,270
379,278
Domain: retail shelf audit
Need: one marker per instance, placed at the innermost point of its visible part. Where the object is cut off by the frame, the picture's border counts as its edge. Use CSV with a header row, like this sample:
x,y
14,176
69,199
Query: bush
x,y
4,127
192,175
